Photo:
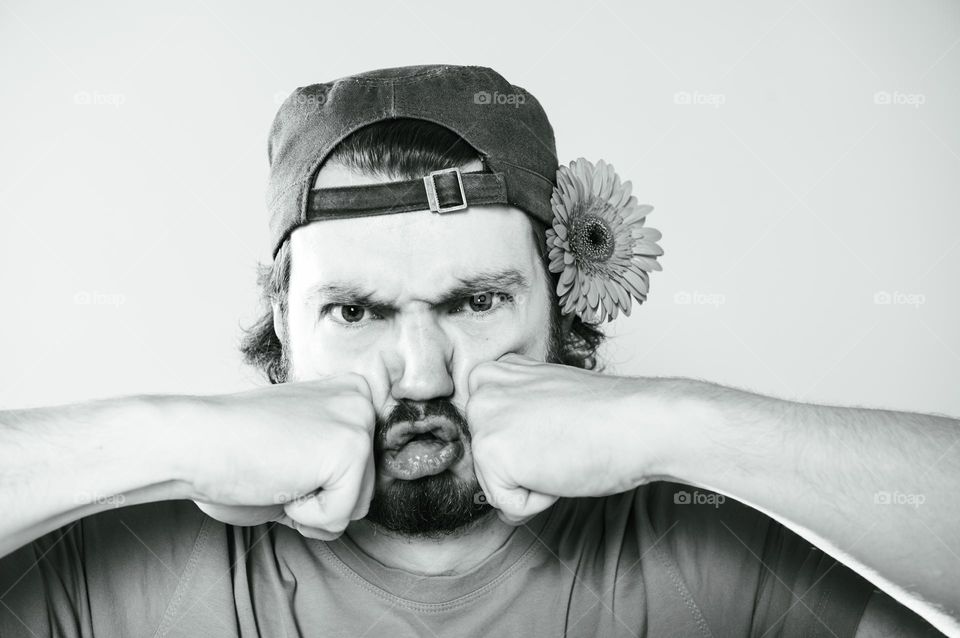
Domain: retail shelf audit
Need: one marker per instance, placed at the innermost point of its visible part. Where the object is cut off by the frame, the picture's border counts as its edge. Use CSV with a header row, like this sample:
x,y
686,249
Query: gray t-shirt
x,y
661,560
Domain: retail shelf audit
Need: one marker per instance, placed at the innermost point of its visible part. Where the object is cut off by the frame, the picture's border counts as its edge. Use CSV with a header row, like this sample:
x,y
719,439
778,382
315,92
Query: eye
x,y
349,315
482,302
352,314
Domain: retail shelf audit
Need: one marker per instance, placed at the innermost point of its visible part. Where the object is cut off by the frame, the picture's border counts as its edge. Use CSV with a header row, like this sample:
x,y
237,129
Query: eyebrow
x,y
345,293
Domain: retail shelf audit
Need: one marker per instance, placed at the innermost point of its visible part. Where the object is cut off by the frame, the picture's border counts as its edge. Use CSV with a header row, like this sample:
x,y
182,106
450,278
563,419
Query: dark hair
x,y
403,149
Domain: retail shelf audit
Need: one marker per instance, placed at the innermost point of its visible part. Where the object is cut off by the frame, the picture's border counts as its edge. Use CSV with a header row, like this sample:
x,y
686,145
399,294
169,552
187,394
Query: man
x,y
441,454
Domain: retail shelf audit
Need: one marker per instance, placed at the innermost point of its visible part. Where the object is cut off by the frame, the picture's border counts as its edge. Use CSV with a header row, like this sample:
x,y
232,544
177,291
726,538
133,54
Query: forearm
x,y
878,489
62,463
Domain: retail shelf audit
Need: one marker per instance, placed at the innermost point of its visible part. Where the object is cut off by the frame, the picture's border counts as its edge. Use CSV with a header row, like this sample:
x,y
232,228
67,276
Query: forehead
x,y
413,252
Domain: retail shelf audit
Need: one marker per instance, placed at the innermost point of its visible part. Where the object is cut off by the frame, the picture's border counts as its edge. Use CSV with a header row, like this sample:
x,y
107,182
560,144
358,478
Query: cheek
x,y
529,337
315,350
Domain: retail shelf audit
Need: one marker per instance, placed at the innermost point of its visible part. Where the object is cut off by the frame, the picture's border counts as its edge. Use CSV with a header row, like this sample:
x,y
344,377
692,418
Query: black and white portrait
x,y
582,319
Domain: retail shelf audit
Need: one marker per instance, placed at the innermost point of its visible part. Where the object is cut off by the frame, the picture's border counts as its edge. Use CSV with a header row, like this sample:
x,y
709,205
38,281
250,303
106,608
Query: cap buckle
x,y
433,201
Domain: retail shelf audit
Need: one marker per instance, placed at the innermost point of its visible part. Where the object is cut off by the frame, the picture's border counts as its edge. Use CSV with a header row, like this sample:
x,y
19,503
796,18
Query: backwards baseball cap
x,y
504,123
595,236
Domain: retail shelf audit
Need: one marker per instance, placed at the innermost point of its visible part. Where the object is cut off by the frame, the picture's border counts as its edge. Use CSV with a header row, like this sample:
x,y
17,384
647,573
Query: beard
x,y
431,506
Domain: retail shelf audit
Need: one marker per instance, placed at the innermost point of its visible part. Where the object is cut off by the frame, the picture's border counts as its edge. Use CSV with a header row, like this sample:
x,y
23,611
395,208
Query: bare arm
x,y
246,458
878,489
60,464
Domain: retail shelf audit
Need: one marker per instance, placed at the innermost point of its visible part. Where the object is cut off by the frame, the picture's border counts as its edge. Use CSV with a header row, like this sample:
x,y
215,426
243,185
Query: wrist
x,y
171,428
670,421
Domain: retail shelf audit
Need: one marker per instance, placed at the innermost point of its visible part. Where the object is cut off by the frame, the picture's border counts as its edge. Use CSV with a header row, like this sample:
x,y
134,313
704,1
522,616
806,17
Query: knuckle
x,y
476,374
477,389
480,368
357,382
477,398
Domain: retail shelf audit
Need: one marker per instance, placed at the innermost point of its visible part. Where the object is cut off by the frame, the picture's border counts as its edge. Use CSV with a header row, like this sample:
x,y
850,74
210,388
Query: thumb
x,y
519,504
514,505
329,509
309,532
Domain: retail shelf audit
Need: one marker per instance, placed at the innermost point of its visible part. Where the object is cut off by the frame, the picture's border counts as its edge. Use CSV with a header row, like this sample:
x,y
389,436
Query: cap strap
x,y
398,197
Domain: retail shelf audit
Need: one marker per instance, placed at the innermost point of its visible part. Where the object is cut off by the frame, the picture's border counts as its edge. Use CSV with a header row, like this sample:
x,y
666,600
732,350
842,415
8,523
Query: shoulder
x,y
703,536
665,509
633,521
166,530
739,567
74,575
146,549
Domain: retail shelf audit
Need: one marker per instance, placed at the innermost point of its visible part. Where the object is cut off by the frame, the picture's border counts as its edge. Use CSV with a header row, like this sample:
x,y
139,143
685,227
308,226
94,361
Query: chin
x,y
433,506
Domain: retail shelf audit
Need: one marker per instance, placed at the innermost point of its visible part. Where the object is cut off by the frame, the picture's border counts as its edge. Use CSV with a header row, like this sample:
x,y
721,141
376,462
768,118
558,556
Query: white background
x,y
133,166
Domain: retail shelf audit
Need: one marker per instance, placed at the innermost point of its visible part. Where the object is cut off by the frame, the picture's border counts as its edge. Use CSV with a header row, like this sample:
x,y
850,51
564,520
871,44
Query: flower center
x,y
592,238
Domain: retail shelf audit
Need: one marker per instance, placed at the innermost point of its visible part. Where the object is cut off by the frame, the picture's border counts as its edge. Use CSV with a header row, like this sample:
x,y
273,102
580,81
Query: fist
x,y
297,453
542,431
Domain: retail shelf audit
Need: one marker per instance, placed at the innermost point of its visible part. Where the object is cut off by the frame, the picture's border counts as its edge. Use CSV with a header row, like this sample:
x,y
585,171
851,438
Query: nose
x,y
420,364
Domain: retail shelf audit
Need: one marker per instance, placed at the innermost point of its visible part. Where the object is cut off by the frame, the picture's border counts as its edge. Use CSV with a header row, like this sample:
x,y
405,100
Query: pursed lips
x,y
401,433
415,449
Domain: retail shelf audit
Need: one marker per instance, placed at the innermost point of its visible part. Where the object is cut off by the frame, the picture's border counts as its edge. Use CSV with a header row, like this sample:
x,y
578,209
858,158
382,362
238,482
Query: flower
x,y
598,242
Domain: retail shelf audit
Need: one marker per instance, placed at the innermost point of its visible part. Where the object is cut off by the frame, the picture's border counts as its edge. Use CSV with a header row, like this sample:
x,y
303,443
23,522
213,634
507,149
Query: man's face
x,y
413,301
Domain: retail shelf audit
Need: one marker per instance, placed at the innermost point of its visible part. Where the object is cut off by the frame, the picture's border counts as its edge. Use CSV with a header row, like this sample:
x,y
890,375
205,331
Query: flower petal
x,y
563,288
646,263
636,280
623,298
648,233
576,285
628,286
606,298
581,304
641,247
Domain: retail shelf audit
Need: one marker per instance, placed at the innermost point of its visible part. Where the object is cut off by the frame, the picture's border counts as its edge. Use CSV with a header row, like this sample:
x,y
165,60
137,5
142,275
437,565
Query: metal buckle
x,y
431,187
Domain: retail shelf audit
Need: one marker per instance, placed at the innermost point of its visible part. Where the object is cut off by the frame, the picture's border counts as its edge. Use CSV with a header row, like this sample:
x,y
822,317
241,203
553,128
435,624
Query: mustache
x,y
407,410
